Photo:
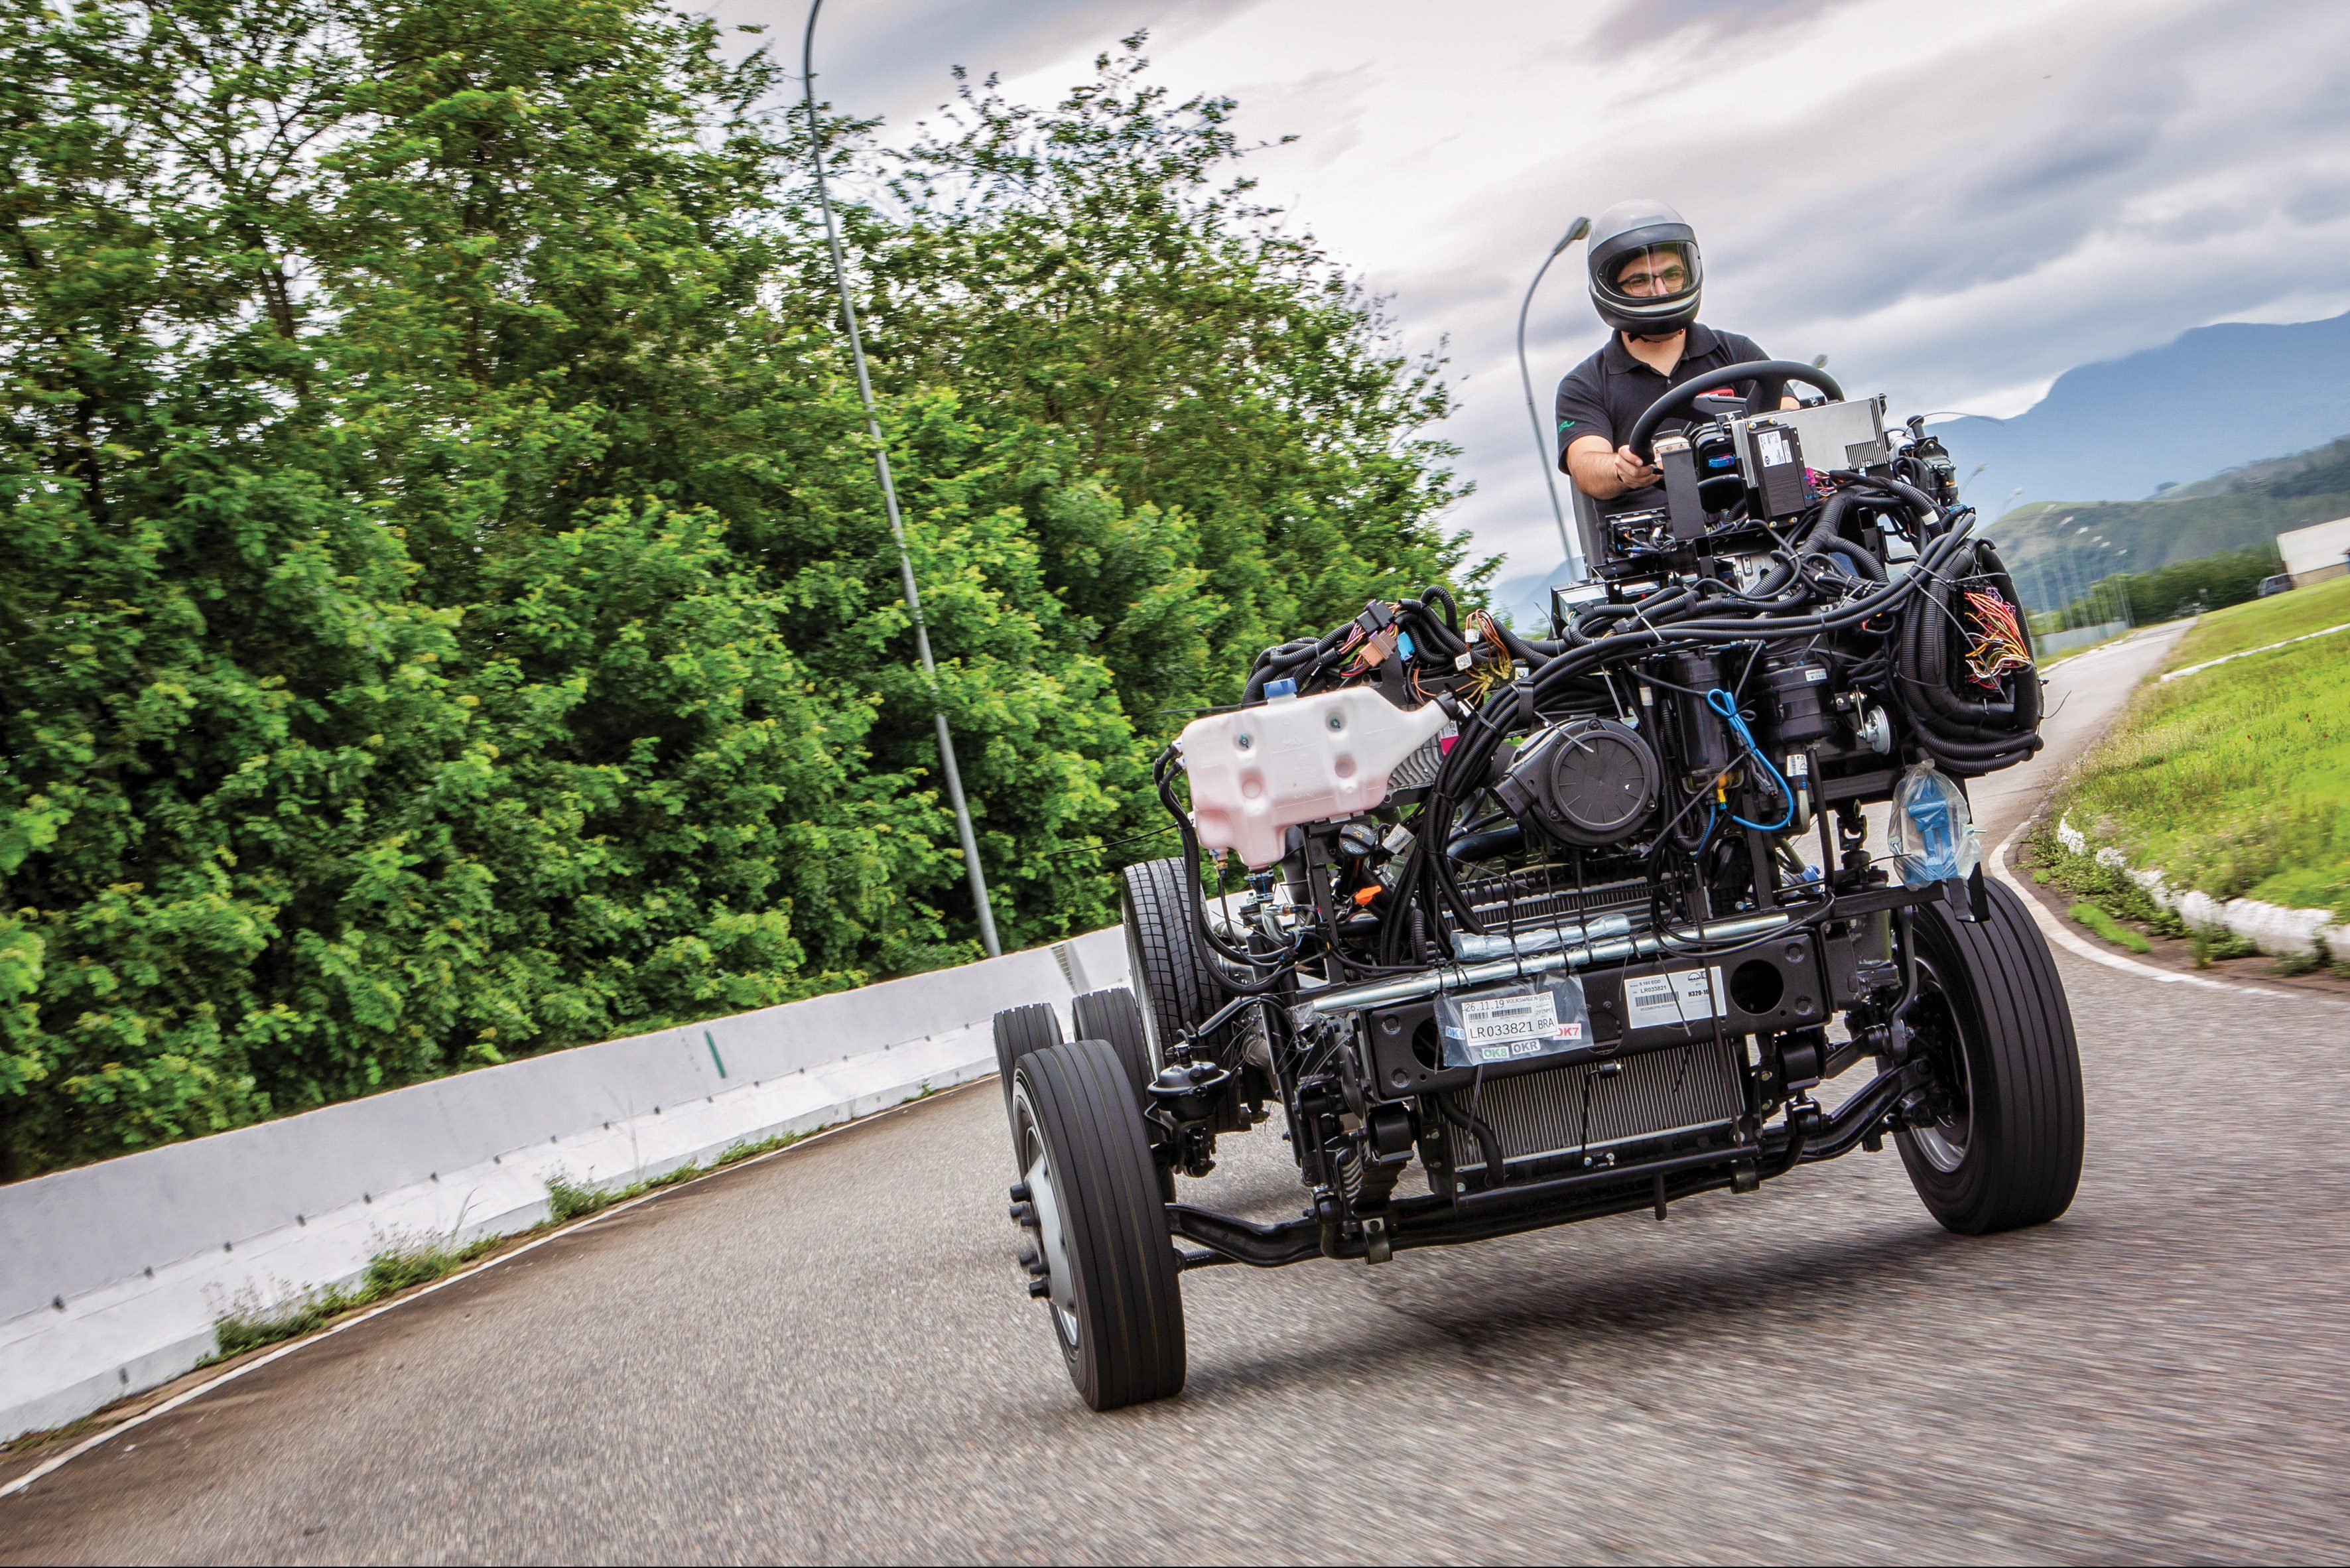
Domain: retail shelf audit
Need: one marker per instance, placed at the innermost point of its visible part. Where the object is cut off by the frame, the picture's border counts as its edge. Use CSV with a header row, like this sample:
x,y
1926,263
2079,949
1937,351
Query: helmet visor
x,y
1654,275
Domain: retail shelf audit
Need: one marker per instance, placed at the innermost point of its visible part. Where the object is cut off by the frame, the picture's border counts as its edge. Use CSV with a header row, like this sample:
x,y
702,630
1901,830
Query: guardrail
x,y
2078,637
116,1271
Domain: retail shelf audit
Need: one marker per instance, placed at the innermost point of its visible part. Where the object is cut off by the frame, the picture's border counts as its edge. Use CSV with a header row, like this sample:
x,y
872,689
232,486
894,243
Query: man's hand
x,y
1631,473
1604,473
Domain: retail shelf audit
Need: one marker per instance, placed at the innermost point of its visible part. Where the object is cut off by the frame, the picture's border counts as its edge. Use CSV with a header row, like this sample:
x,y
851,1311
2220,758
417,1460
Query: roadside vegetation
x,y
2234,781
445,610
2266,621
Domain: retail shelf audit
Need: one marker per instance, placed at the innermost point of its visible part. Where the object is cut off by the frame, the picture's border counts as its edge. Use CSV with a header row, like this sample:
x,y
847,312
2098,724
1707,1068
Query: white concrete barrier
x,y
2273,928
116,1272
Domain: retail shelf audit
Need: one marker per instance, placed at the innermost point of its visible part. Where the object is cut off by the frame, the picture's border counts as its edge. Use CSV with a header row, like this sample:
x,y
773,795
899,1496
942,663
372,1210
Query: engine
x,y
1473,854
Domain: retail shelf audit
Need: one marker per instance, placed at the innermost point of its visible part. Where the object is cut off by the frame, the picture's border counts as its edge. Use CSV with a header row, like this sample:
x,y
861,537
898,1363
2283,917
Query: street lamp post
x,y
889,504
1545,443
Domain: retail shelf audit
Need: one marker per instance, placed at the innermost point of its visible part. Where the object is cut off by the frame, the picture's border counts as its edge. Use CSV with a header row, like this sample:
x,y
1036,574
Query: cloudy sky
x,y
1955,202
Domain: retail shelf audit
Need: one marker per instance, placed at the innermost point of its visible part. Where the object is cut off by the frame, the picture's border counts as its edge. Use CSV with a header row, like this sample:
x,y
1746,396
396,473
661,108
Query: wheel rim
x,y
1051,1235
1942,1142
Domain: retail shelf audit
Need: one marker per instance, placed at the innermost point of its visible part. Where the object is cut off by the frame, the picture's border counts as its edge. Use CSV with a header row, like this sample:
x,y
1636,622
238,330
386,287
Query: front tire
x,y
1173,983
2000,1144
1108,1261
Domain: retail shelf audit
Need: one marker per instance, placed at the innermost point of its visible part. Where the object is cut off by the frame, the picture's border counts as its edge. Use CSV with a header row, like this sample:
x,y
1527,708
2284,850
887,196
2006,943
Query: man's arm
x,y
1588,453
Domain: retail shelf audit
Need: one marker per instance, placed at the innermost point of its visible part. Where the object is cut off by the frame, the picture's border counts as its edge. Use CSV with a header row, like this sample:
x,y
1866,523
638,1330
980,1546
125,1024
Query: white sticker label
x,y
1684,996
1495,1029
1770,447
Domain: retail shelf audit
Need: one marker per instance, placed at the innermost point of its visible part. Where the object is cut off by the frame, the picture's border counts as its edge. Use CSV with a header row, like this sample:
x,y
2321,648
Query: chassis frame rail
x,y
1808,1136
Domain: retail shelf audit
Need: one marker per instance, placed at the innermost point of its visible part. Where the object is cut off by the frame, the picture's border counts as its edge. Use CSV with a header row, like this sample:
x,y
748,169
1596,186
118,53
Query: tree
x,y
444,608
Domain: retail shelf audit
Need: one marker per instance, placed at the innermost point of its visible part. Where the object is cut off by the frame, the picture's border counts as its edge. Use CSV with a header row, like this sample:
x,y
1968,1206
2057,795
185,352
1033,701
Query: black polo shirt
x,y
1607,393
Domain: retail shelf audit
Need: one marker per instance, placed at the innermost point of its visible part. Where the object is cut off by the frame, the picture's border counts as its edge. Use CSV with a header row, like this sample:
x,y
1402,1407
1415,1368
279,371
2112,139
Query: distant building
x,y
2315,553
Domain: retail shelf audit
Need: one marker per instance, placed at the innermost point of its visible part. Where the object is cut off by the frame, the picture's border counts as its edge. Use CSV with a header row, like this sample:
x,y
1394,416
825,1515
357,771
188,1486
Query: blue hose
x,y
1722,702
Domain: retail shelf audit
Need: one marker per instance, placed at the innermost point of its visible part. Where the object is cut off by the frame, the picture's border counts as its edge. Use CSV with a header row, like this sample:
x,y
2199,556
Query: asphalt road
x,y
827,1357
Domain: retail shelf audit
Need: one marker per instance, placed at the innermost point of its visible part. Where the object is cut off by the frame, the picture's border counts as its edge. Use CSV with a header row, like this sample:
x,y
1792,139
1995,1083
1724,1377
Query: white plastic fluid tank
x,y
1260,772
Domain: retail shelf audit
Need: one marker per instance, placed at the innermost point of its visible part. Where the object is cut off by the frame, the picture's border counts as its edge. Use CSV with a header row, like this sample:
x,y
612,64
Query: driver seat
x,y
1588,533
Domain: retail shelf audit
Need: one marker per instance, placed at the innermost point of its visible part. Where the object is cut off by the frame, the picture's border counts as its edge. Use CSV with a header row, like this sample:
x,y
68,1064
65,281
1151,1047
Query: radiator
x,y
1583,1107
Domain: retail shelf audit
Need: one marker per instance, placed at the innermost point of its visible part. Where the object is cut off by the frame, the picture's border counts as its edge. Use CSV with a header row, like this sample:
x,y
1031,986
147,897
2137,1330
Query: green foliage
x,y
2110,929
388,1273
445,612
2192,587
2212,943
2095,884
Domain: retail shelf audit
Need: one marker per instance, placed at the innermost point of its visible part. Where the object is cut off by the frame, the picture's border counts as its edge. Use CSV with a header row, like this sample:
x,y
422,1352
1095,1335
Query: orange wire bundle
x,y
1998,648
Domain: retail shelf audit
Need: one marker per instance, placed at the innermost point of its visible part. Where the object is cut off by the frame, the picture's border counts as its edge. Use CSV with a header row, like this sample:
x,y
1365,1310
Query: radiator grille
x,y
1656,1092
1539,894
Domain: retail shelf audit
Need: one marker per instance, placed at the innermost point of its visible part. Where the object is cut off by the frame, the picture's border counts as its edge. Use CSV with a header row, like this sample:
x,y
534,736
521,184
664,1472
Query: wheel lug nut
x,y
1040,1288
1028,1257
1024,1214
1020,1193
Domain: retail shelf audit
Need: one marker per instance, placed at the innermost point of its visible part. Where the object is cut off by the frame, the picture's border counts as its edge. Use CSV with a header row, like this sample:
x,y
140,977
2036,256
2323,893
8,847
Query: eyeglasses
x,y
1653,275
1653,281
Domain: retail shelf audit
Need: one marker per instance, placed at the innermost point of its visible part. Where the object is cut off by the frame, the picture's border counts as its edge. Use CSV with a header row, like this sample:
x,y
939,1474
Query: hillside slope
x,y
2058,549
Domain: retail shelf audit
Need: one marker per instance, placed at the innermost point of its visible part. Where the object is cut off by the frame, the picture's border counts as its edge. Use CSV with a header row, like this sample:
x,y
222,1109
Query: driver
x,y
1645,278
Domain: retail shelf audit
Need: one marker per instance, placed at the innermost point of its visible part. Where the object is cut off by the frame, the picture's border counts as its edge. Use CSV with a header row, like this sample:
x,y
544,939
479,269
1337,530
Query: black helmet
x,y
1644,230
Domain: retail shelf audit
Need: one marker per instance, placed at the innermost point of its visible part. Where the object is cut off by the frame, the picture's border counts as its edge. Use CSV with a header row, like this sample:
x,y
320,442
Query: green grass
x,y
2259,622
2106,926
388,1273
2235,780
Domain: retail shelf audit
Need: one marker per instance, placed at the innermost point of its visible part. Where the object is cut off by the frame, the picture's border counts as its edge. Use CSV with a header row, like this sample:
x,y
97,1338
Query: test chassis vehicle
x,y
1577,926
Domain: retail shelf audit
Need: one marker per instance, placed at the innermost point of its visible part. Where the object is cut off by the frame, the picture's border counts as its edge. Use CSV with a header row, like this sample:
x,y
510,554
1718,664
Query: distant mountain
x,y
2216,398
1523,598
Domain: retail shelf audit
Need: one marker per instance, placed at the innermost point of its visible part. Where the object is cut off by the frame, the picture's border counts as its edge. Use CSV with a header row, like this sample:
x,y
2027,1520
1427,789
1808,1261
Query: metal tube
x,y
1460,977
1545,445
889,500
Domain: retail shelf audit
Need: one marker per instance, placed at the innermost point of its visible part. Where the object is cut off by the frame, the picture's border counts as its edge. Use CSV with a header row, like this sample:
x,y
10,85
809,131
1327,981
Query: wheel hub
x,y
1052,1242
1942,1140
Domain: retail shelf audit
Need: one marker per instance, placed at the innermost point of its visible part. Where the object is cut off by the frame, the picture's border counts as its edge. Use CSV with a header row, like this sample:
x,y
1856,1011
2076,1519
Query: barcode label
x,y
1498,1020
1683,996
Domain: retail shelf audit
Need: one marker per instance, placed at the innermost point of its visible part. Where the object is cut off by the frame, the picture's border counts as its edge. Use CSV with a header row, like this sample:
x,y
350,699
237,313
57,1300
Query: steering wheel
x,y
1770,378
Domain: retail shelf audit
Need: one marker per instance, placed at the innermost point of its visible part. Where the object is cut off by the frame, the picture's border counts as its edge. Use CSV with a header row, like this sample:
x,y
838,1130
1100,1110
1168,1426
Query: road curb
x,y
2080,946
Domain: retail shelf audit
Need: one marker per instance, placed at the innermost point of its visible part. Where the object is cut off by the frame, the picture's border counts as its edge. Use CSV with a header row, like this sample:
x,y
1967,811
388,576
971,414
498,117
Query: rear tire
x,y
1115,1016
2006,1149
1116,1299
1020,1031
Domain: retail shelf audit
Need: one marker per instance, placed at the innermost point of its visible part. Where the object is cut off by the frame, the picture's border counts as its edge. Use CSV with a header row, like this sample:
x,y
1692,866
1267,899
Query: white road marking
x,y
2271,647
291,1345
